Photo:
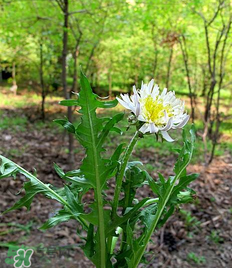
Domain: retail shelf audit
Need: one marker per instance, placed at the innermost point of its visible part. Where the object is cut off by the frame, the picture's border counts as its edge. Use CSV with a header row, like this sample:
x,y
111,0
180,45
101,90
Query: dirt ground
x,y
201,238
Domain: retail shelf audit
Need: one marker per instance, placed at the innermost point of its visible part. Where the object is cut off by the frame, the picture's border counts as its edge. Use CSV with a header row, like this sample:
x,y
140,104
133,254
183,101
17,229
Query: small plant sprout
x,y
196,259
116,230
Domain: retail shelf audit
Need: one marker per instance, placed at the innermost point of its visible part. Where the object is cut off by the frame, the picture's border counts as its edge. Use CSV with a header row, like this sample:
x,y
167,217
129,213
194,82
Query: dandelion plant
x,y
117,230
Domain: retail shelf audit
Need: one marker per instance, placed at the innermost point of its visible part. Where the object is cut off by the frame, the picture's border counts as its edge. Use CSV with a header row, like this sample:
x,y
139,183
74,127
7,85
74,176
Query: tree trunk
x,y
155,60
0,74
75,54
43,93
64,77
110,84
14,87
169,67
185,58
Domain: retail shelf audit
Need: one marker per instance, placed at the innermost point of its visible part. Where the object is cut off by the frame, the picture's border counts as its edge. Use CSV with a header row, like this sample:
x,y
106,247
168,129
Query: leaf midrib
x,y
101,222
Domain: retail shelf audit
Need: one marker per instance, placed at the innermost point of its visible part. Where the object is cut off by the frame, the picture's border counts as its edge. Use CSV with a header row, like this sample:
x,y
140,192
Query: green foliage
x,y
215,237
190,221
105,228
15,227
17,122
196,259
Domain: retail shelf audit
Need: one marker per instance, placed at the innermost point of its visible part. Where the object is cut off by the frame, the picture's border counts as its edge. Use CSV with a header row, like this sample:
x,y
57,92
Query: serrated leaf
x,y
93,167
182,184
61,216
7,168
72,201
33,187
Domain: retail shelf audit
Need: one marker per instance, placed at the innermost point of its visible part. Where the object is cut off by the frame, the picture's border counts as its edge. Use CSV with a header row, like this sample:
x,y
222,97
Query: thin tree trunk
x,y
155,60
14,87
204,82
110,84
75,54
0,74
64,77
185,58
43,93
169,67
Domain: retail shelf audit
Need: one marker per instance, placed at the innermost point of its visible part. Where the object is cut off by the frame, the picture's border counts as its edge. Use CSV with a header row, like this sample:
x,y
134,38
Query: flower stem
x,y
119,178
120,175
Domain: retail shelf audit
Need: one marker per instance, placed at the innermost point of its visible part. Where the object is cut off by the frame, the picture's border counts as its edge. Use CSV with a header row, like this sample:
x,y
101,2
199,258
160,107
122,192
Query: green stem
x,y
120,175
119,179
140,252
98,195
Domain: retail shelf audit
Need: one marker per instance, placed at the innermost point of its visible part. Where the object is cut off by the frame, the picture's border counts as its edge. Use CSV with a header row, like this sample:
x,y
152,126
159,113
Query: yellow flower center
x,y
153,110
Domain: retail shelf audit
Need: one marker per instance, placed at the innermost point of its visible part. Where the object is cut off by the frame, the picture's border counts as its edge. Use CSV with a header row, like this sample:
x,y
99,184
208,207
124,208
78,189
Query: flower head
x,y
160,112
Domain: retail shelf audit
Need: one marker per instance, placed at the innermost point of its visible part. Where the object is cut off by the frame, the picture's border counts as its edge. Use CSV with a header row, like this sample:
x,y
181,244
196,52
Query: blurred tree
x,y
184,45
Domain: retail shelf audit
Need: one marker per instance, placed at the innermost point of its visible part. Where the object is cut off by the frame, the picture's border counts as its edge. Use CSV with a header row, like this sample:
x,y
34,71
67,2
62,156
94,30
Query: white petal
x,y
125,104
163,93
183,123
134,90
155,92
141,118
168,126
137,109
166,136
145,128
153,128
150,85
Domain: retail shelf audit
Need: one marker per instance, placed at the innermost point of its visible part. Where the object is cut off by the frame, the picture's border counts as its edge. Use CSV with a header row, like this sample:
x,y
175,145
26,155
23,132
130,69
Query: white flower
x,y
160,112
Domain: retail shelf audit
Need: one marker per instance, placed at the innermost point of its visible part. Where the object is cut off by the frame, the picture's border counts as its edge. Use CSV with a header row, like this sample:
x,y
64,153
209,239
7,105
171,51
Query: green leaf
x,y
135,178
69,102
75,176
119,221
164,189
33,187
58,170
107,104
108,127
183,183
91,134
61,216
31,191
7,168
166,216
76,208
88,248
66,124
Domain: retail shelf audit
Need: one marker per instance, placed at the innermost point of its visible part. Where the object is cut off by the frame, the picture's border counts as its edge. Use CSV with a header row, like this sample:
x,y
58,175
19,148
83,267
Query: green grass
x,y
21,101
196,258
216,237
11,101
16,123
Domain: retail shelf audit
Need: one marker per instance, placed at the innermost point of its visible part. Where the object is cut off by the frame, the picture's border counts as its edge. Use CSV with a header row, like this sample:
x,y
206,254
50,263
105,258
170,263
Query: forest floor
x,y
198,235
